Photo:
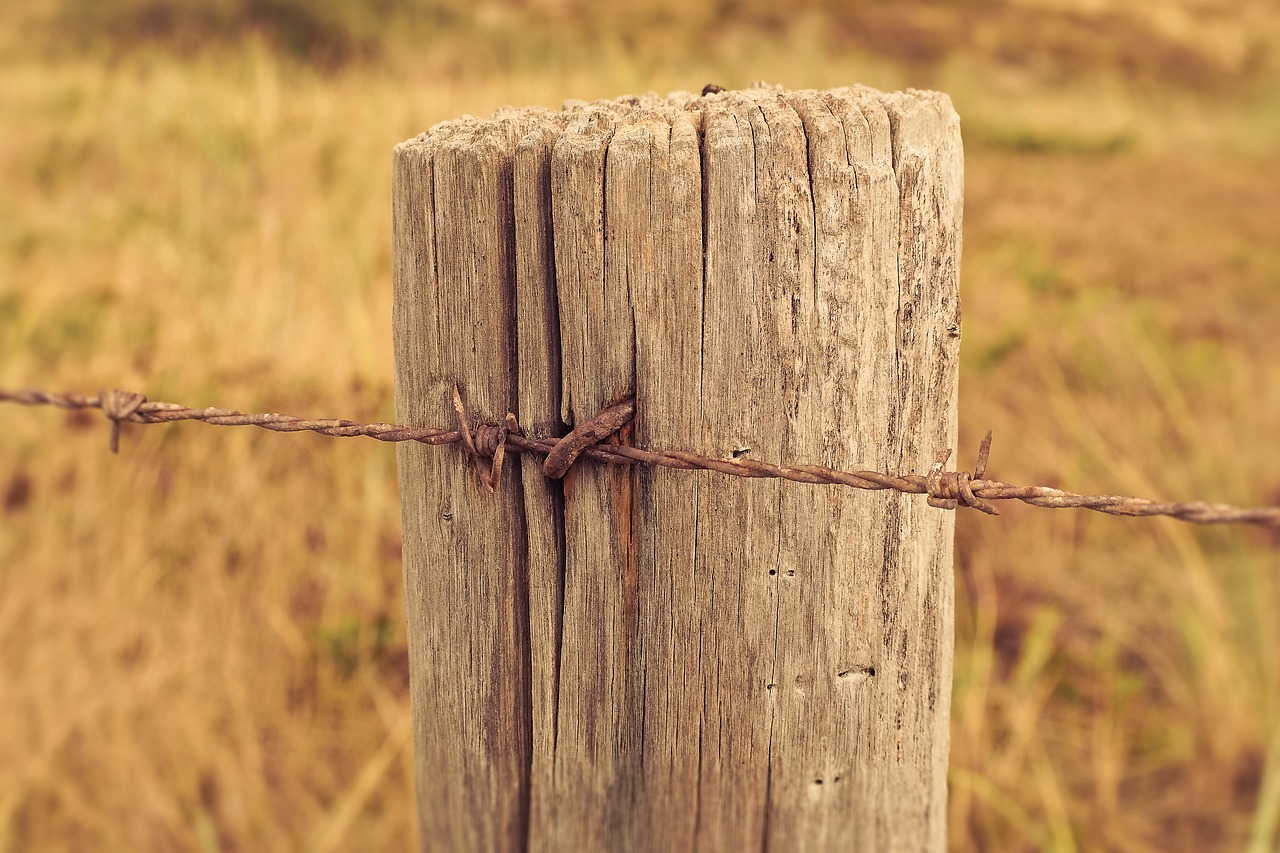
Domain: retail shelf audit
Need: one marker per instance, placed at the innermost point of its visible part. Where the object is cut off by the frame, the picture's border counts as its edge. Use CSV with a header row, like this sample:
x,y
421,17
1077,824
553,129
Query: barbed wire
x,y
945,489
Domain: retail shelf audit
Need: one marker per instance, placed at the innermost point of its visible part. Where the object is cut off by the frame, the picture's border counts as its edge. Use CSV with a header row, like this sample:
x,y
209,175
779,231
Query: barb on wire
x,y
945,489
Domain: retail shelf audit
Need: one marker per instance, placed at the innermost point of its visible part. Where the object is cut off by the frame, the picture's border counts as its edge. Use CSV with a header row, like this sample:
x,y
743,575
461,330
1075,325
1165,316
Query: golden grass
x,y
201,641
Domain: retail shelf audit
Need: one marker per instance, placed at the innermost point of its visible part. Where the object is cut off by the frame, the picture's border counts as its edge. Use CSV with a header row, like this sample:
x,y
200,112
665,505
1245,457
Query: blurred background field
x,y
202,642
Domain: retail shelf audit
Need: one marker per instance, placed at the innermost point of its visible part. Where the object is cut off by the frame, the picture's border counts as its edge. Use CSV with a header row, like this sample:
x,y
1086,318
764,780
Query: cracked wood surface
x,y
648,659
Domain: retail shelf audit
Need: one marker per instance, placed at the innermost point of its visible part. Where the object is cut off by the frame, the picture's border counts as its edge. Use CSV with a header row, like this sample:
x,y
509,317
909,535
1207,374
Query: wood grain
x,y
663,660
465,552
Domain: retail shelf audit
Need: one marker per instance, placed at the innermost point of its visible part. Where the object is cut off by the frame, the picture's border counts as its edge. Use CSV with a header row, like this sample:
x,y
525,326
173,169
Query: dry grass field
x,y
201,640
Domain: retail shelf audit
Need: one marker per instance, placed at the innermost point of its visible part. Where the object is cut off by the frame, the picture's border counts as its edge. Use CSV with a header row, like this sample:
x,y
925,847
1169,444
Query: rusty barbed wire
x,y
945,489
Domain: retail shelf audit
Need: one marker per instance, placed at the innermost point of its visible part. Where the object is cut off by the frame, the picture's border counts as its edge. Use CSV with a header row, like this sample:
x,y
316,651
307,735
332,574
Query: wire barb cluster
x,y
945,489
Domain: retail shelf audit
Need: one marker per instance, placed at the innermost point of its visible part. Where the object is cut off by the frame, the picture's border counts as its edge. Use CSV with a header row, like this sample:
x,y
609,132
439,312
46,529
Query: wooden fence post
x,y
647,659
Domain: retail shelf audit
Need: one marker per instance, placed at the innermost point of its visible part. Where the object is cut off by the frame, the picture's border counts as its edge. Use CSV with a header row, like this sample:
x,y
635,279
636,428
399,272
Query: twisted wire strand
x,y
946,489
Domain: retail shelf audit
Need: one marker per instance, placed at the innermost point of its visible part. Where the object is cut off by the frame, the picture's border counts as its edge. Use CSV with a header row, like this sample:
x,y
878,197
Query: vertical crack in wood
x,y
696,581
522,694
539,385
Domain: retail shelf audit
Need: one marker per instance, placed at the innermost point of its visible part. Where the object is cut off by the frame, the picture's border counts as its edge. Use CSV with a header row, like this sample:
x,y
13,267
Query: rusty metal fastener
x,y
585,435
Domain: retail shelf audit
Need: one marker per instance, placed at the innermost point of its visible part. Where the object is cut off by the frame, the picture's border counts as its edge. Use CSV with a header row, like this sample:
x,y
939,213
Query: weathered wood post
x,y
646,659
